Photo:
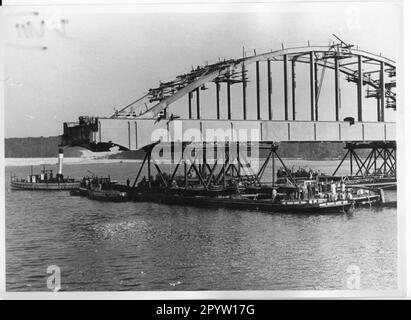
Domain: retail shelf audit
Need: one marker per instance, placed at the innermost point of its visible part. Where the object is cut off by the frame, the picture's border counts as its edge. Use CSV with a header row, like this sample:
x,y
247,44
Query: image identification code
x,y
206,309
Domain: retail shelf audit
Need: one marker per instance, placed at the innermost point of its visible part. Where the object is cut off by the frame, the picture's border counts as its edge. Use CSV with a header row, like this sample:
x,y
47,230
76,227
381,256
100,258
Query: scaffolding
x,y
221,171
380,160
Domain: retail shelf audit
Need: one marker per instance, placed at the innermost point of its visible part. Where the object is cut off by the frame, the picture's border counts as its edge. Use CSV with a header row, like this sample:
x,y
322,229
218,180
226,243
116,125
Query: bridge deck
x,y
134,134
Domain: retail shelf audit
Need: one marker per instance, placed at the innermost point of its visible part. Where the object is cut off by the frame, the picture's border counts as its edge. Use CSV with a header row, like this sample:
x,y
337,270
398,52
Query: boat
x,y
100,188
80,191
45,180
255,202
304,196
108,195
366,197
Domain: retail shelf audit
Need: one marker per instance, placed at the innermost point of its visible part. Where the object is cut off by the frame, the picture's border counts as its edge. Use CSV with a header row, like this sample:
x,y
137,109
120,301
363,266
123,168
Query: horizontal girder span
x,y
135,134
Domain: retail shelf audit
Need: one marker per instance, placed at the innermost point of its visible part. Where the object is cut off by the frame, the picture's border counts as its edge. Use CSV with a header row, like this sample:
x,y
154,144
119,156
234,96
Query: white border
x,y
403,131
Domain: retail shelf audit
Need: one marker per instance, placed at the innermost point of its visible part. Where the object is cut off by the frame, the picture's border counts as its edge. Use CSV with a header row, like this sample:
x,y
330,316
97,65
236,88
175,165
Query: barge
x,y
244,202
307,196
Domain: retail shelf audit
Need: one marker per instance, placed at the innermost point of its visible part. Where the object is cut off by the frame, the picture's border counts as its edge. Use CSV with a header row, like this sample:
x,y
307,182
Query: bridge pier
x,y
380,160
200,171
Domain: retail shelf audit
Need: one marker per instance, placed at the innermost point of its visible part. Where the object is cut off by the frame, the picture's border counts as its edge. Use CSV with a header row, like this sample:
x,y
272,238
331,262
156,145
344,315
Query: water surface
x,y
146,246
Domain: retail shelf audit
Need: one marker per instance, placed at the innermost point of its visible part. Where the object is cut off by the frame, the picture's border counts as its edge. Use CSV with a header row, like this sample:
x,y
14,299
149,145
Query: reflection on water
x,y
146,246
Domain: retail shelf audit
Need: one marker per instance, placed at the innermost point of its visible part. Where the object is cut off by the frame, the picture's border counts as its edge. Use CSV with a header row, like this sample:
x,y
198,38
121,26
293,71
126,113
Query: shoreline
x,y
21,162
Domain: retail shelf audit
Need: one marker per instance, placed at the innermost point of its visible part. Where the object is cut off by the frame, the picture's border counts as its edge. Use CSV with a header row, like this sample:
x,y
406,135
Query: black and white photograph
x,y
213,150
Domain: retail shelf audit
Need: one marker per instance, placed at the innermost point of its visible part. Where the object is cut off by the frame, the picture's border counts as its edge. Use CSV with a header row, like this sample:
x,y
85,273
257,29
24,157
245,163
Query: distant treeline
x,y
32,147
44,147
311,150
306,150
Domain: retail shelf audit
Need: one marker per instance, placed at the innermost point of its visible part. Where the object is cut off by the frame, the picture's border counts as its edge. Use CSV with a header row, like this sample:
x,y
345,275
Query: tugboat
x,y
45,180
99,188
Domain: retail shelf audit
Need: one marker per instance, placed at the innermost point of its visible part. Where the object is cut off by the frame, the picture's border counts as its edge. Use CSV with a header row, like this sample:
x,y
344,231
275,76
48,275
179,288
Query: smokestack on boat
x,y
60,172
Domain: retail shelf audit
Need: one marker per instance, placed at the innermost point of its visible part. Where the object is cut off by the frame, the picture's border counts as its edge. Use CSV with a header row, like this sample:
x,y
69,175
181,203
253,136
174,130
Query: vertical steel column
x,y
337,89
228,100
359,89
198,103
190,96
378,108
244,93
217,87
382,92
293,84
285,87
312,86
316,89
270,89
257,72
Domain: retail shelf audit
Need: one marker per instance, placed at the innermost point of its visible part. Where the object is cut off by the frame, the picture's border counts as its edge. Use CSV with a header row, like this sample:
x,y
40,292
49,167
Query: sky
x,y
88,60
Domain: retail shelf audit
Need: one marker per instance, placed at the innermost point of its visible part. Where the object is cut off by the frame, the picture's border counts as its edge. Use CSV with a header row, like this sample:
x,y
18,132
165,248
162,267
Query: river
x,y
146,246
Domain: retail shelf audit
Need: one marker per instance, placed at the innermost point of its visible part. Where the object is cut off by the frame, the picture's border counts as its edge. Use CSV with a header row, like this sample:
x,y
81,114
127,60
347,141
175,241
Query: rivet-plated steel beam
x,y
190,96
244,93
217,88
257,72
337,89
378,109
270,89
293,84
316,89
228,100
312,86
359,89
285,87
198,103
382,92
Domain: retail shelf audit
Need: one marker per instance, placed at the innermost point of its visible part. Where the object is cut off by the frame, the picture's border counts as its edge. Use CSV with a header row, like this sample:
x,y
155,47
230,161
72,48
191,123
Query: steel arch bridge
x,y
150,117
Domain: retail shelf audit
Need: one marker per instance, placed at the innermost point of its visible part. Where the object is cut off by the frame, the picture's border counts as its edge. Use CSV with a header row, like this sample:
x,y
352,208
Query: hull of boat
x,y
245,204
18,185
366,201
80,192
112,195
